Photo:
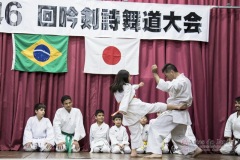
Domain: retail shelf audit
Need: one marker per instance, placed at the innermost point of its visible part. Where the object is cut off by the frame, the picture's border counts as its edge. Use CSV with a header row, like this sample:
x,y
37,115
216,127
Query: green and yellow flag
x,y
40,53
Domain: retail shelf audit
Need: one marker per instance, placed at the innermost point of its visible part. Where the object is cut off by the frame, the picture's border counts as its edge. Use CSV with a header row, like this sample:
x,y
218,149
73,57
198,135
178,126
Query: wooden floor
x,y
86,155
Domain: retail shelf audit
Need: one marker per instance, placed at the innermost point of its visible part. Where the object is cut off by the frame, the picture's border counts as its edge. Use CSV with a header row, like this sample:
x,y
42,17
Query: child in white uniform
x,y
119,136
144,134
38,133
99,134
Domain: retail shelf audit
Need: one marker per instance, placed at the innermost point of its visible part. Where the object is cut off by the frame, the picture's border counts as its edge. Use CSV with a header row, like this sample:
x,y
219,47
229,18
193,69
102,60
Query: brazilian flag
x,y
40,53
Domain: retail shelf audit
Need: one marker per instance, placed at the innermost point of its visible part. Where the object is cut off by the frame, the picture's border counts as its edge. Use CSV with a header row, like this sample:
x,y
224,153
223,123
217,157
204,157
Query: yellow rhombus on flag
x,y
29,53
40,53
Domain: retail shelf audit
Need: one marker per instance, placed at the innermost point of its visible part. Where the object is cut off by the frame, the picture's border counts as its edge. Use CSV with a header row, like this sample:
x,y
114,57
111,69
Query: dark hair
x,y
237,99
118,115
64,98
120,80
98,111
168,67
39,106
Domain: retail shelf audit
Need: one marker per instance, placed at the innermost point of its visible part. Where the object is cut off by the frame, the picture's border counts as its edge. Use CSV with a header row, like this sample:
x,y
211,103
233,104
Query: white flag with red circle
x,y
109,55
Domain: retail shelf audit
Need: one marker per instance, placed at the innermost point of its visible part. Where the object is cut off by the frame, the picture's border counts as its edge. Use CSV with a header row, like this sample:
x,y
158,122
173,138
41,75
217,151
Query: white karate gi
x,y
144,135
190,135
232,128
99,138
164,145
135,110
175,122
39,133
71,123
118,135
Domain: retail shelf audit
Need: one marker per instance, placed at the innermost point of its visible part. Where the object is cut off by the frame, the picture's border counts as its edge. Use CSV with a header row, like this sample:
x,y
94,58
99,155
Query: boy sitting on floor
x,y
99,138
38,133
118,136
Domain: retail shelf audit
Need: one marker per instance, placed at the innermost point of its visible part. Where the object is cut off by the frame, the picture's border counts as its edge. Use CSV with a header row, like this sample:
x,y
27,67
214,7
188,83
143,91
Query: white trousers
x,y
135,129
227,148
164,148
161,128
192,139
104,149
141,150
37,143
116,149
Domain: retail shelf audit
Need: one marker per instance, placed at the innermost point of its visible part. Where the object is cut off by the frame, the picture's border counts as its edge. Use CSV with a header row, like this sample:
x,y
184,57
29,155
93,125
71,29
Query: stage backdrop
x,y
212,67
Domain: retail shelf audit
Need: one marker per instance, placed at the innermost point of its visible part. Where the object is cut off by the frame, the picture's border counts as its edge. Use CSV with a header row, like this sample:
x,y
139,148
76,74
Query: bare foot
x,y
134,153
154,156
197,152
135,156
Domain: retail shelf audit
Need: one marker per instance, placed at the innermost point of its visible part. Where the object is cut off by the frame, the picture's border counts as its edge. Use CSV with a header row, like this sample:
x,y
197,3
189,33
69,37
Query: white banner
x,y
105,19
110,55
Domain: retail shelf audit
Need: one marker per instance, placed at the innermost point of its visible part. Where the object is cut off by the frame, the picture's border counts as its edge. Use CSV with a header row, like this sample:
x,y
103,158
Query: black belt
x,y
234,145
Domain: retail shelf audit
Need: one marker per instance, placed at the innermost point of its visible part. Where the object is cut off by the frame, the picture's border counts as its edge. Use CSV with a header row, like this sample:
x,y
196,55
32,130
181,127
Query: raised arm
x,y
128,95
155,73
136,86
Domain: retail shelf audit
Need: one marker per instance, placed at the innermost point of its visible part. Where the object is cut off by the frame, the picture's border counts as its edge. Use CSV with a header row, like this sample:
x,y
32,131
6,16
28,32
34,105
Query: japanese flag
x,y
109,55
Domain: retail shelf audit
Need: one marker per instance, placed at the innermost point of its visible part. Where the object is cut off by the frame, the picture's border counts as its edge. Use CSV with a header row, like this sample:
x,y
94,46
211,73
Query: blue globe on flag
x,y
41,53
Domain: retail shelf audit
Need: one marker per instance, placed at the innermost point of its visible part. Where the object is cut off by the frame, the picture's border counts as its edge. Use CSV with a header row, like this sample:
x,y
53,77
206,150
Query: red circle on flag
x,y
111,55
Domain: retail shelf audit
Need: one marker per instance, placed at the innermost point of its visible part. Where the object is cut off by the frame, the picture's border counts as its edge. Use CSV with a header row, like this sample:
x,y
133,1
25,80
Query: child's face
x,y
159,113
100,117
117,122
67,104
143,120
40,113
237,105
129,78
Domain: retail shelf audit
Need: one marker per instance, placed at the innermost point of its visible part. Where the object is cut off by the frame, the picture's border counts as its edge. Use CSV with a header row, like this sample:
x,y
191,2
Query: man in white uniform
x,y
99,134
68,126
38,133
232,128
190,135
165,143
118,136
175,122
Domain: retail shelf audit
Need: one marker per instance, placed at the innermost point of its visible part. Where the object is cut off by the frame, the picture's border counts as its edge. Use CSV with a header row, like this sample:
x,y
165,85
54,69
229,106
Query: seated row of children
x,y
67,130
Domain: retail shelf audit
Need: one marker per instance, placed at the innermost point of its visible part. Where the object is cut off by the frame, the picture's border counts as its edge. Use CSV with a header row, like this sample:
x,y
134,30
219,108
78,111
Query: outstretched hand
x,y
77,146
154,68
48,146
124,113
141,84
